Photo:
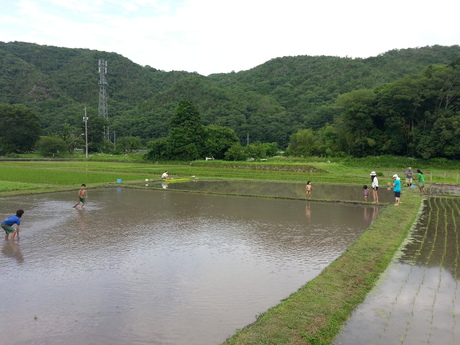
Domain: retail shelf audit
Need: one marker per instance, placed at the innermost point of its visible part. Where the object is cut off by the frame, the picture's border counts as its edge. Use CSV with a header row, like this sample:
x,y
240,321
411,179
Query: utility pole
x,y
103,94
85,119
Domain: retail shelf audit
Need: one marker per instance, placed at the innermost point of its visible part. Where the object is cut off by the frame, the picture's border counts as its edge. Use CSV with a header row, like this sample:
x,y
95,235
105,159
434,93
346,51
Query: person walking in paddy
x,y
8,223
308,189
375,186
82,194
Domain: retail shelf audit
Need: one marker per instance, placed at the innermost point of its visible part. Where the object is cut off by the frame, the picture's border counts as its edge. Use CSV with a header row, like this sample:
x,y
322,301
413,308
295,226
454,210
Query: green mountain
x,y
267,103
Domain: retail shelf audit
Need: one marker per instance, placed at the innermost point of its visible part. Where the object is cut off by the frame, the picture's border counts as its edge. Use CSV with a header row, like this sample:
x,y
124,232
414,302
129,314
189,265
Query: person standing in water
x,y
308,189
82,194
365,192
8,223
375,186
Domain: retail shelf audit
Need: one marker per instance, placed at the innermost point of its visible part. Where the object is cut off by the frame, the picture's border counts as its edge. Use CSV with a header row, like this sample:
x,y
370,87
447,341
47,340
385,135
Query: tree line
x,y
416,116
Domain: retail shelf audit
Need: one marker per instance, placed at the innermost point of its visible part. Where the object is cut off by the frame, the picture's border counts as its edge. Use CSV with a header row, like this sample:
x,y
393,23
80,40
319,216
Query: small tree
x,y
72,138
236,153
157,150
129,144
303,144
219,140
50,146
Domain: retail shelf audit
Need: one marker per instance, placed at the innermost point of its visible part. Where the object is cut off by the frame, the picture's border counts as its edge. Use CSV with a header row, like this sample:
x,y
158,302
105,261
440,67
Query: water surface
x,y
281,189
160,267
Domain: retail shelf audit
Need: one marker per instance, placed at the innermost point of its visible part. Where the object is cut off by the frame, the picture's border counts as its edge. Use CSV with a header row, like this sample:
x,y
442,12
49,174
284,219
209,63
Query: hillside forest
x,y
402,102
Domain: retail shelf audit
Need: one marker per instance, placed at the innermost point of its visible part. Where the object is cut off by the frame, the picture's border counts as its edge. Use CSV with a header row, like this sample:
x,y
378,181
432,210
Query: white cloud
x,y
209,36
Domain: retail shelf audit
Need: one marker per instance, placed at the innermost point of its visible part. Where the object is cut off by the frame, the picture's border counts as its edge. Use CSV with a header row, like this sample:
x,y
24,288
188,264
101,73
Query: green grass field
x,y
37,174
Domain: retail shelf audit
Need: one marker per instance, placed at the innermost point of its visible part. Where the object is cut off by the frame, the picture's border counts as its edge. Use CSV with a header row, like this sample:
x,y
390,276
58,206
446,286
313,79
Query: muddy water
x,y
160,267
283,189
416,301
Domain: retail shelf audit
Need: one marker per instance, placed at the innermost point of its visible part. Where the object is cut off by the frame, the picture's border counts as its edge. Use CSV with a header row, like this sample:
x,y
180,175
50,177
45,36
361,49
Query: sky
x,y
221,36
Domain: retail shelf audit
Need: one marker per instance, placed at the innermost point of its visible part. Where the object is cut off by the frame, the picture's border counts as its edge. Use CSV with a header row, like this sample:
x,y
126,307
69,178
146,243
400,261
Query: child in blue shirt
x,y
397,189
8,223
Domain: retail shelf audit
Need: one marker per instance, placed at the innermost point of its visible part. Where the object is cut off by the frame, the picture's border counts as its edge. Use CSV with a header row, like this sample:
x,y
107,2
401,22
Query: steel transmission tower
x,y
103,94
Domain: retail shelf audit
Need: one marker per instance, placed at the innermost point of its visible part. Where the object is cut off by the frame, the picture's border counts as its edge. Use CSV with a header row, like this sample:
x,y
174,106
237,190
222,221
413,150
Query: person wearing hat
x,y
375,186
397,189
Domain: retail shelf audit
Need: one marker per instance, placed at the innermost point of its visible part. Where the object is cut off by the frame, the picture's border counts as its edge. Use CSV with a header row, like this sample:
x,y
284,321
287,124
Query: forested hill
x,y
267,103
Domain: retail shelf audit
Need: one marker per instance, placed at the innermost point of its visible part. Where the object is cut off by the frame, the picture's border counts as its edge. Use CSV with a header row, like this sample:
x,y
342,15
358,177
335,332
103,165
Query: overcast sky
x,y
220,36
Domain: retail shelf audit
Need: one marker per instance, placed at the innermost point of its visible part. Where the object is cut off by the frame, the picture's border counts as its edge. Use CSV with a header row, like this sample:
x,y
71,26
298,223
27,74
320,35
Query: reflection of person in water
x,y
375,213
12,250
82,220
308,211
366,214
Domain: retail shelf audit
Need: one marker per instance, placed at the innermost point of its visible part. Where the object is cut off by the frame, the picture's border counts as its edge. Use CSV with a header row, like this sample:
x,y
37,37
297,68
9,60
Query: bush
x,y
50,146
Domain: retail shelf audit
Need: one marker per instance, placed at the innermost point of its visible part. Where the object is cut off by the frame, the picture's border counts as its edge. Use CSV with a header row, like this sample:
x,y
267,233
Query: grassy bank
x,y
313,314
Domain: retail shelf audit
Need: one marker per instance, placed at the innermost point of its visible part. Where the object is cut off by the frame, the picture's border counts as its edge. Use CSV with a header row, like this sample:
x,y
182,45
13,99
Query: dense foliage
x,y
19,129
270,103
416,116
189,140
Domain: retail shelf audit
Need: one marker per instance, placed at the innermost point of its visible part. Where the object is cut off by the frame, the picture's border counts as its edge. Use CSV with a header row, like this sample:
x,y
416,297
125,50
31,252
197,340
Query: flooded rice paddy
x,y
280,189
417,300
160,267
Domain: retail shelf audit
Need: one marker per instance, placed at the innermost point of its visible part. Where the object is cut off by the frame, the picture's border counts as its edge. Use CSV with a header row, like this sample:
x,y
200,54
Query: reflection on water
x,y
12,249
416,301
370,213
159,267
282,189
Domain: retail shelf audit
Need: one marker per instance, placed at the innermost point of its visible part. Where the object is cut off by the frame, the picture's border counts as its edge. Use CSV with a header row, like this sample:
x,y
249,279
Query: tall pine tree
x,y
186,138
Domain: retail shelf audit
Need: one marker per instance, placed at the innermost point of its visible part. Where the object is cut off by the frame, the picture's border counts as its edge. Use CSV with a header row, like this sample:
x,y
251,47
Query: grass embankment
x,y
313,314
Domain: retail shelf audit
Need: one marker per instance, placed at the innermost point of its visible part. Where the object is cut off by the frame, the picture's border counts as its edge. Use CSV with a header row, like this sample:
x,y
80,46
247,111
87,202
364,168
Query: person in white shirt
x,y
375,186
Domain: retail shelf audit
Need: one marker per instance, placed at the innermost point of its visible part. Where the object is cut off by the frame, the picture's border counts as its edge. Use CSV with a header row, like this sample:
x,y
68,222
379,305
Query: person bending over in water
x,y
8,223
